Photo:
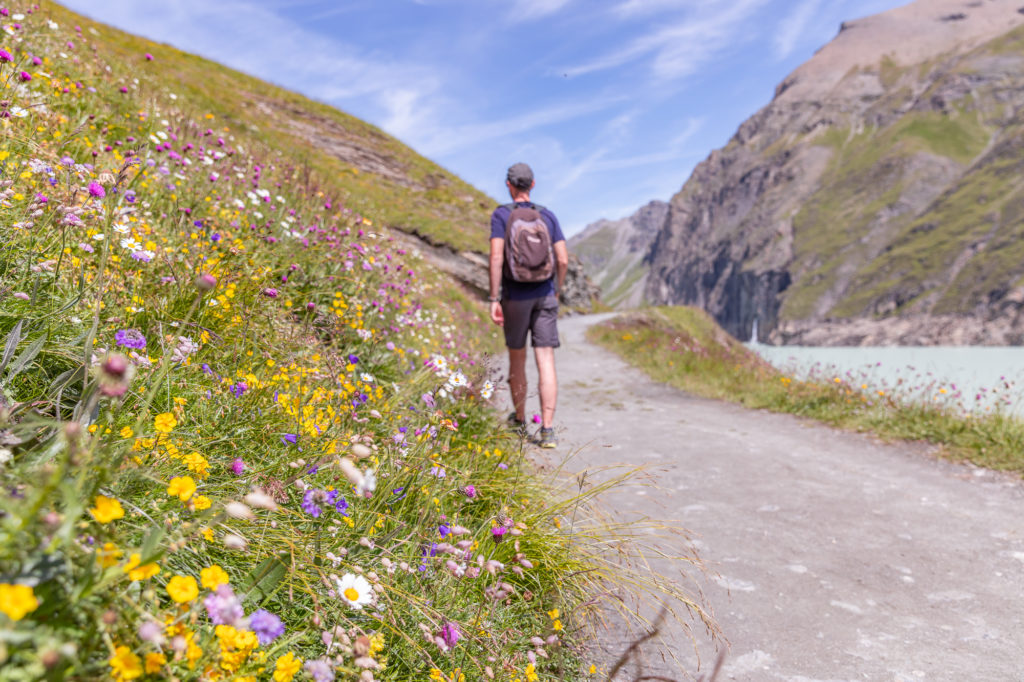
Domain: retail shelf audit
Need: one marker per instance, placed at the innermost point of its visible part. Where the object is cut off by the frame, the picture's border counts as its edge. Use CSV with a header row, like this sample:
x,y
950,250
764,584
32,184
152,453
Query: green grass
x,y
684,347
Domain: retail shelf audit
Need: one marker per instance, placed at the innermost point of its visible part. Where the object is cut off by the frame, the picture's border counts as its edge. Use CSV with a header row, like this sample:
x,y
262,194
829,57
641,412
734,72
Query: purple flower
x,y
469,491
96,190
223,606
312,500
238,466
289,437
239,388
130,338
429,400
320,670
354,359
270,292
5,56
25,76
266,625
498,533
450,634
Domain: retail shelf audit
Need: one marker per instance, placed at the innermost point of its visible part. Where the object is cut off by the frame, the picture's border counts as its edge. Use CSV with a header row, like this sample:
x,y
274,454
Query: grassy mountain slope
x,y
360,166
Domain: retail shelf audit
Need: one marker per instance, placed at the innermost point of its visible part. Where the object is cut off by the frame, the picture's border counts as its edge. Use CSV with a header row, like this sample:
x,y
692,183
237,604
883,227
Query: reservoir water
x,y
972,378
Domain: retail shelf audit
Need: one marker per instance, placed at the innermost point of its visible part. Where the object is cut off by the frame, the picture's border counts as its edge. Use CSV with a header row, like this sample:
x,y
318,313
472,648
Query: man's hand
x,y
497,314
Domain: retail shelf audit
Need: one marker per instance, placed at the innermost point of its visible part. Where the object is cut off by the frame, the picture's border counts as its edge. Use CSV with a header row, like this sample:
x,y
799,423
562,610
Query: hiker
x,y
528,258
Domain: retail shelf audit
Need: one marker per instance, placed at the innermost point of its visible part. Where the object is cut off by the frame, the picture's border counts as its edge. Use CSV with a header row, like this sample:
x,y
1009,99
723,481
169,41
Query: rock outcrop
x,y
877,199
614,253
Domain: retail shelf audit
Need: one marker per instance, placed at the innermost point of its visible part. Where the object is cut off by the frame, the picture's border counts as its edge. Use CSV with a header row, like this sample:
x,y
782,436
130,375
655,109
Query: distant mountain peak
x,y
907,35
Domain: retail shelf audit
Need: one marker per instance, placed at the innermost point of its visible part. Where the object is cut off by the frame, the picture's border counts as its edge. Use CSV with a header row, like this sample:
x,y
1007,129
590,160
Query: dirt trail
x,y
830,556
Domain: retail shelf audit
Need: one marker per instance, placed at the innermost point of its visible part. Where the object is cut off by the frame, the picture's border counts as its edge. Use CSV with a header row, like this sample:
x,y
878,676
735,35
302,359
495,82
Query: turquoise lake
x,y
970,377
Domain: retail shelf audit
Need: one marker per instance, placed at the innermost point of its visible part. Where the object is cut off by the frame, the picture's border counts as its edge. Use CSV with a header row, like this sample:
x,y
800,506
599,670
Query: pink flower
x,y
149,57
96,190
25,76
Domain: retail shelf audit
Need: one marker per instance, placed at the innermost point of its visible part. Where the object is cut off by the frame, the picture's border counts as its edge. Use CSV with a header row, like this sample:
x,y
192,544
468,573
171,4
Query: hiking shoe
x,y
517,425
547,438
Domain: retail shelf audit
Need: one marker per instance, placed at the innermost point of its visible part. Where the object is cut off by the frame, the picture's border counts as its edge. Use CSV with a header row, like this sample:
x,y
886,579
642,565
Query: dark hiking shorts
x,y
539,316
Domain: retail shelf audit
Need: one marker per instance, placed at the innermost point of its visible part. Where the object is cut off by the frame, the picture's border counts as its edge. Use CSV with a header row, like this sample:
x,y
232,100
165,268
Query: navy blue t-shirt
x,y
520,291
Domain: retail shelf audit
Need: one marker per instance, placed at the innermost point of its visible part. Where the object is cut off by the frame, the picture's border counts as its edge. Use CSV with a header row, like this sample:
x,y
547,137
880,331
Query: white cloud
x,y
447,137
629,8
793,27
680,47
529,10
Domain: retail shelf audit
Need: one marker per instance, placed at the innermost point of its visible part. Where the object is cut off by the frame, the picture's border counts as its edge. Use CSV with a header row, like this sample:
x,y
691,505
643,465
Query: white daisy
x,y
355,590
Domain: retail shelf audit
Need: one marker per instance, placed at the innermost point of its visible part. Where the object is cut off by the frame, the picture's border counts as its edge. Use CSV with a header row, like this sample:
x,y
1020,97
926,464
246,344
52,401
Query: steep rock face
x,y
613,253
881,182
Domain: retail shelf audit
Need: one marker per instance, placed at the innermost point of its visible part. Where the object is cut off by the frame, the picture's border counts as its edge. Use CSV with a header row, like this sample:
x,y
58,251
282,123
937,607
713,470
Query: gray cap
x,y
520,176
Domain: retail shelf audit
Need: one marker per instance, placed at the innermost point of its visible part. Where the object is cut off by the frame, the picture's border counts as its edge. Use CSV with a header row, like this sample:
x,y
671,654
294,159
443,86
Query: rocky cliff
x,y
613,252
879,198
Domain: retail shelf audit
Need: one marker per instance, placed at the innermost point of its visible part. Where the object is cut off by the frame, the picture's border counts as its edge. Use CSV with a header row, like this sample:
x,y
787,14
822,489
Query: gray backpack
x,y
529,256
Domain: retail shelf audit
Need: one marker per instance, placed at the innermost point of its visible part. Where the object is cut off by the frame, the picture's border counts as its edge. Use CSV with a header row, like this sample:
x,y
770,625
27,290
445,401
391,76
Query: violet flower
x,y
266,625
130,338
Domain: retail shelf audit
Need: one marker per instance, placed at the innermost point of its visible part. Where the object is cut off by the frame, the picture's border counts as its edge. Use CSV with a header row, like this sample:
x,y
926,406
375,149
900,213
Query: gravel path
x,y
829,556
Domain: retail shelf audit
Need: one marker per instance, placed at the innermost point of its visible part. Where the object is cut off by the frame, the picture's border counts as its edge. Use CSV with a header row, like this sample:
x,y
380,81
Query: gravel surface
x,y
829,556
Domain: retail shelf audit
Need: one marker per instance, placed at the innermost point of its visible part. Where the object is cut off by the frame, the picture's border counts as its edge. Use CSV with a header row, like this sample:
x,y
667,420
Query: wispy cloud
x,y
682,46
530,10
793,27
448,138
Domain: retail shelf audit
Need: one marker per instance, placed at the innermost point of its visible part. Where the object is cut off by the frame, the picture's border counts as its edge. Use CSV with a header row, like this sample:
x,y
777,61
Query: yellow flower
x,y
108,555
557,625
197,464
201,502
181,487
107,509
531,674
125,665
136,572
235,646
182,588
553,614
208,534
155,661
127,432
164,423
213,577
286,667
16,601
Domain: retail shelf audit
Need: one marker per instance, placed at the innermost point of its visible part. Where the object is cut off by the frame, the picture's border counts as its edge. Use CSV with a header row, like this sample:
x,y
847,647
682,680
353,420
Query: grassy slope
x,y
413,194
684,347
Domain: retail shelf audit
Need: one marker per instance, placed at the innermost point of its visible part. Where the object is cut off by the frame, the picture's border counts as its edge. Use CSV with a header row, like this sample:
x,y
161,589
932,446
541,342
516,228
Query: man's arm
x,y
496,261
561,262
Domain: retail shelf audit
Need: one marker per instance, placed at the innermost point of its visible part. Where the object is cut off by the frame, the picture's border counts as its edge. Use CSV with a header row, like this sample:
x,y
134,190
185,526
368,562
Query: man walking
x,y
528,257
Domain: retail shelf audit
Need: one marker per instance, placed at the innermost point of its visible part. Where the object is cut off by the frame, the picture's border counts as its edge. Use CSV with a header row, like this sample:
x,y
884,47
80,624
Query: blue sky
x,y
613,102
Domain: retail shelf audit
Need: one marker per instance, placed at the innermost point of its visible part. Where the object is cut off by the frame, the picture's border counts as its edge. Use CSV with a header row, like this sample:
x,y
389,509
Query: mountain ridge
x,y
853,198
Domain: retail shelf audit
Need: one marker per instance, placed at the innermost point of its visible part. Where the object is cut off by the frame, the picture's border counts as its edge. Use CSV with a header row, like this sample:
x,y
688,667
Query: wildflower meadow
x,y
243,434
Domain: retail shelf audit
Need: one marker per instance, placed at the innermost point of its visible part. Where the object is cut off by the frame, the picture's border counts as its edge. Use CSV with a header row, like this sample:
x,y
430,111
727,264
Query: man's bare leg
x,y
548,384
517,380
